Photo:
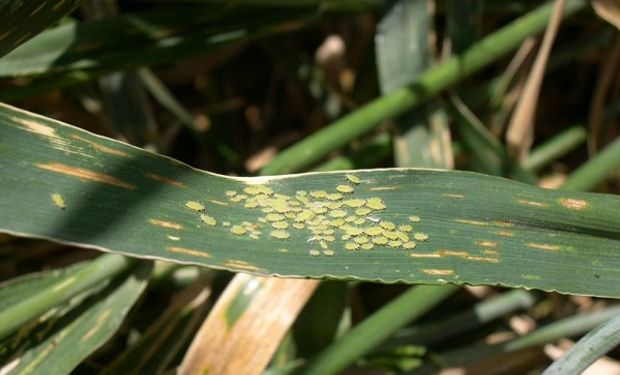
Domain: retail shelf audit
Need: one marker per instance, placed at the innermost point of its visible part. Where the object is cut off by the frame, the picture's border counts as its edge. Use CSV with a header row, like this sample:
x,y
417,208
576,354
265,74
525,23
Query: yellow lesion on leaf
x,y
486,243
453,195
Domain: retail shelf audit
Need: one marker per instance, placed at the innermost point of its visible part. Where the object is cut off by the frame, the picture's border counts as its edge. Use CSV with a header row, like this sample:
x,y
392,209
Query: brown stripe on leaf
x,y
165,180
574,204
543,246
241,265
100,320
85,174
532,203
101,148
186,251
438,272
166,224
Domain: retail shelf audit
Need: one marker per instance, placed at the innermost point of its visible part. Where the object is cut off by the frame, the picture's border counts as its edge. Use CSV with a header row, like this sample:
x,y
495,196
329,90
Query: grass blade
x,y
68,185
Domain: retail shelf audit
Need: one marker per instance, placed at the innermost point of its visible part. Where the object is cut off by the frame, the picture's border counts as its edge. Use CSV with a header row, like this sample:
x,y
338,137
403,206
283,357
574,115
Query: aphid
x,y
208,220
255,236
373,231
375,203
231,193
280,224
323,244
330,238
388,225
410,245
275,217
329,252
351,246
238,229
264,190
414,219
251,204
374,219
402,236
394,243
363,211
367,246
419,236
338,223
353,231
346,189
353,179
337,213
280,234
252,190
304,215
345,237
195,206
359,221
314,252
380,240
334,205
405,228
59,201
354,203
318,194
390,235
298,226
226,223
334,196
361,239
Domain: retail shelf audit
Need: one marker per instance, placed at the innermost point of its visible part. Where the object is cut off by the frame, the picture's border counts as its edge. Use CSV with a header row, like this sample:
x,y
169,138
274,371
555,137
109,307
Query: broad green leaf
x,y
83,330
68,185
40,15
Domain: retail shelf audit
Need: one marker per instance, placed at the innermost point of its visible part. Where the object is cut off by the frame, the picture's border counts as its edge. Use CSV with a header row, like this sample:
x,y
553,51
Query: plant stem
x,y
382,324
455,69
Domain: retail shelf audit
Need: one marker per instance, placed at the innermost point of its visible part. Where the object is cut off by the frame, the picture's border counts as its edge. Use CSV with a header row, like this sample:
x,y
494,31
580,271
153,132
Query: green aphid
x,y
346,189
353,179
280,234
208,220
195,206
59,201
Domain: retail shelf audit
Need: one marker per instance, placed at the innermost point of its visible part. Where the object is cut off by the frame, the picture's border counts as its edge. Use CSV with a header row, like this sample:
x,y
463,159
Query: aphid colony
x,y
323,216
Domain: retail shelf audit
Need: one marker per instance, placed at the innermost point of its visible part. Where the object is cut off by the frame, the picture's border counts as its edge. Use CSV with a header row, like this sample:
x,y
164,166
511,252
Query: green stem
x,y
555,148
376,328
455,69
590,348
568,327
596,170
99,270
369,155
480,314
